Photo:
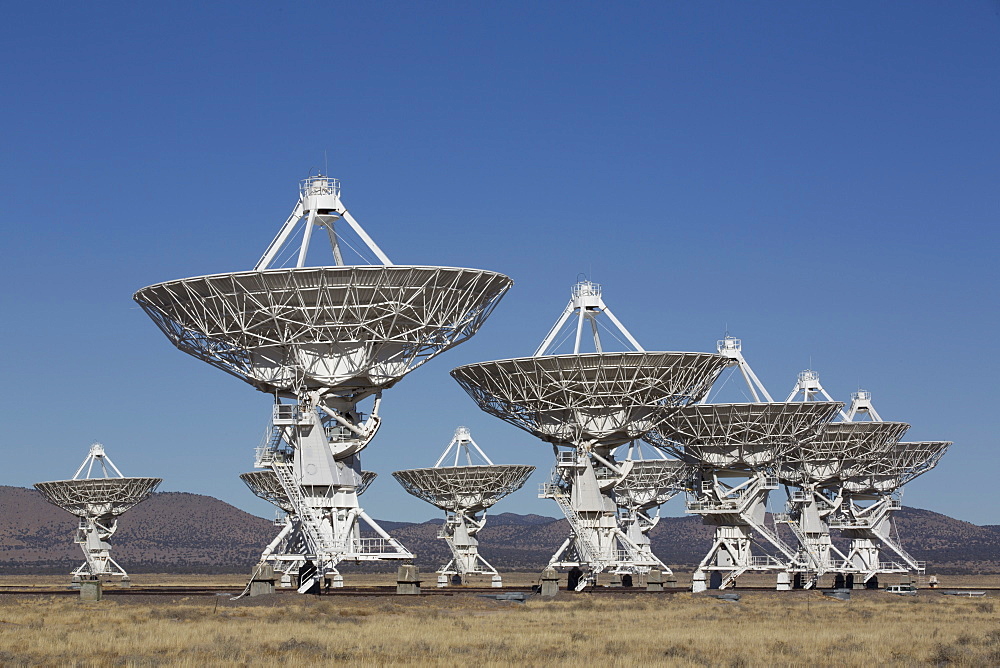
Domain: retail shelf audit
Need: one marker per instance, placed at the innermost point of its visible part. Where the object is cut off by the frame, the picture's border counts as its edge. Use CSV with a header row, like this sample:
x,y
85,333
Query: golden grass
x,y
790,628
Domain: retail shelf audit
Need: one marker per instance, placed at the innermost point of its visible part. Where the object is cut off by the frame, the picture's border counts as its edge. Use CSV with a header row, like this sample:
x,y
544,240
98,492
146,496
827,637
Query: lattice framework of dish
x,y
92,497
321,327
609,397
844,450
750,434
468,488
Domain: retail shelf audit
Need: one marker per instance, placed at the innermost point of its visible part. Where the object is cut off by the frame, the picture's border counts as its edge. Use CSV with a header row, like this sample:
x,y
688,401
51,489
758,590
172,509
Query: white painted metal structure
x,y
649,483
289,549
844,463
732,348
852,482
738,447
321,340
464,492
585,304
734,450
98,502
844,451
808,387
586,405
873,492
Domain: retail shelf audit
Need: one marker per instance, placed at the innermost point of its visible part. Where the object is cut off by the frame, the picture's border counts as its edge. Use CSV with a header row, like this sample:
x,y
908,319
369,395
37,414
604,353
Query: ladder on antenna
x,y
785,519
918,566
311,524
581,532
771,537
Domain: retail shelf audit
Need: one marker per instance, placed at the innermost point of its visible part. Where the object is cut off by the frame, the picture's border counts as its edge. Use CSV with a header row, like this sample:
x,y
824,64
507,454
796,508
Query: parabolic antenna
x,y
472,488
647,484
463,492
914,458
870,527
97,502
97,497
742,435
734,449
649,481
586,405
266,485
321,340
605,398
843,450
356,328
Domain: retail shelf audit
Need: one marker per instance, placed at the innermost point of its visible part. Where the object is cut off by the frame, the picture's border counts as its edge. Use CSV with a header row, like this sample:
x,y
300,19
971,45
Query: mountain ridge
x,y
181,532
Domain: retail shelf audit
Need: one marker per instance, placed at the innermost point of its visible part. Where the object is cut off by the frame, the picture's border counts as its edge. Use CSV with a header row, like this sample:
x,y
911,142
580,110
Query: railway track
x,y
387,591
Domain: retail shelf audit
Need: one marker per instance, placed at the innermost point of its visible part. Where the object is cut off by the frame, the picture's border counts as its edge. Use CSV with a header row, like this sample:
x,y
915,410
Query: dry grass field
x,y
621,629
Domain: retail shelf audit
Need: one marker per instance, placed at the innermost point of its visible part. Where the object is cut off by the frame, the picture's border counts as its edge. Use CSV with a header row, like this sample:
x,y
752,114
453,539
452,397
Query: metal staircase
x,y
311,523
580,533
918,566
787,520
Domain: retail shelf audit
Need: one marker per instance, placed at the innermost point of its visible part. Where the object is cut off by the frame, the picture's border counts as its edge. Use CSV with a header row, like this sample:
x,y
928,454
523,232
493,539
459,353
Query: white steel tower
x,y
289,549
586,405
844,451
873,493
648,484
321,340
735,450
98,502
464,492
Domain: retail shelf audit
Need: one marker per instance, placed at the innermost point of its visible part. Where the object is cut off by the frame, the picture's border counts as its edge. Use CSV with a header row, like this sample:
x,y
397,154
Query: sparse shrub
x,y
943,654
984,606
782,647
675,652
615,647
302,647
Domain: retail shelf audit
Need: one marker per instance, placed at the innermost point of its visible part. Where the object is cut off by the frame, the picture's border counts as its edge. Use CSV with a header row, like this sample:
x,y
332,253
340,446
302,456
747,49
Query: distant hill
x,y
176,532
169,532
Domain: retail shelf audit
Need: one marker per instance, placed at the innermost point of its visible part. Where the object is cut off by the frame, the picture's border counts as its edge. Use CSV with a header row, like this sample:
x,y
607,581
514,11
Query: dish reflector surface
x,y
752,434
93,497
464,488
610,398
361,327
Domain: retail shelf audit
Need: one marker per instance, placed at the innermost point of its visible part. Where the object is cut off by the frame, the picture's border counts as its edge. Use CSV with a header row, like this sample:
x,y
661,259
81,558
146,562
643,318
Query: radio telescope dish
x,y
589,404
651,482
469,488
741,435
463,492
608,398
915,458
842,450
647,484
266,485
98,502
870,527
734,449
321,340
359,329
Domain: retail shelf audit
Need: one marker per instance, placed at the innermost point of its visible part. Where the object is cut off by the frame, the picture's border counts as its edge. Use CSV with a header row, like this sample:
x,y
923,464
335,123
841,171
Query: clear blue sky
x,y
820,178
